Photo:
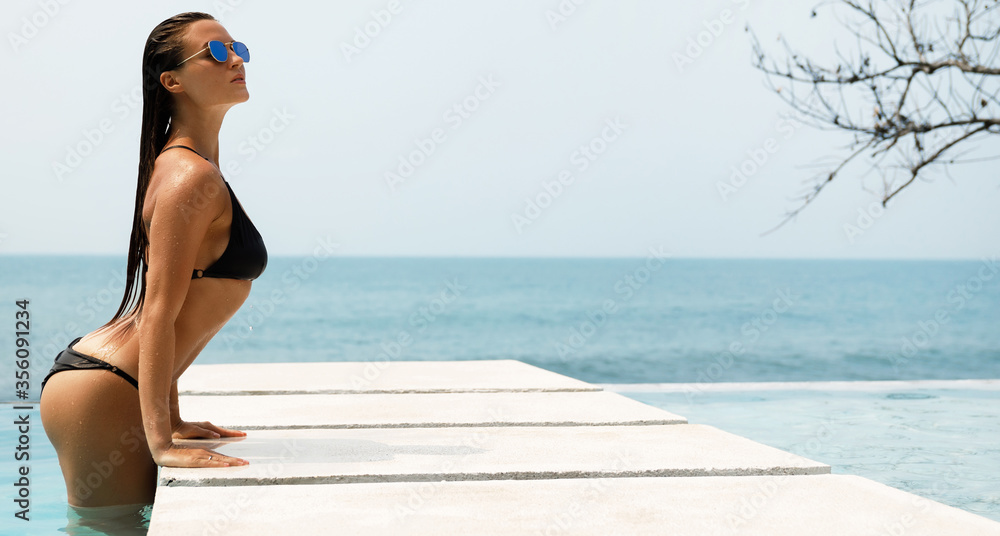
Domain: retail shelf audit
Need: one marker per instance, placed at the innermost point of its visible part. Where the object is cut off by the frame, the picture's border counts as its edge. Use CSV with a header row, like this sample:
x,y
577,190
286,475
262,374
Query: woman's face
x,y
206,81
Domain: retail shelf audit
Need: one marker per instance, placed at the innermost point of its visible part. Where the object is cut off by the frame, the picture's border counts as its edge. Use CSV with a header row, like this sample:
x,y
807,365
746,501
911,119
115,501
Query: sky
x,y
527,128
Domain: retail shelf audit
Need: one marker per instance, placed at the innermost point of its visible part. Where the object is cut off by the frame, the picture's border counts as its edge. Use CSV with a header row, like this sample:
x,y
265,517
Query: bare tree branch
x,y
931,79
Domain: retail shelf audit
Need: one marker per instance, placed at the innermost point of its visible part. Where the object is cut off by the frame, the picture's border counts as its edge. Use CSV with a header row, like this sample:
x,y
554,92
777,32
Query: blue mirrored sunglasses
x,y
219,52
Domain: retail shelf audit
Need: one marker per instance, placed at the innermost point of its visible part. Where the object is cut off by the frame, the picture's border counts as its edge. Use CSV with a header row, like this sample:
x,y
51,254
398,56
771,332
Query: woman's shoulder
x,y
185,176
183,186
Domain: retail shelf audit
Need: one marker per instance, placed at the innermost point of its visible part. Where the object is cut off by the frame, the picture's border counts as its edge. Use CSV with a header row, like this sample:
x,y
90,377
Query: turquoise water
x,y
47,510
613,321
690,320
942,444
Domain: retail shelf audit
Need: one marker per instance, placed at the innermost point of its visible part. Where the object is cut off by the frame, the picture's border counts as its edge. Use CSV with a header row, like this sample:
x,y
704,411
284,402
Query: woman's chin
x,y
240,95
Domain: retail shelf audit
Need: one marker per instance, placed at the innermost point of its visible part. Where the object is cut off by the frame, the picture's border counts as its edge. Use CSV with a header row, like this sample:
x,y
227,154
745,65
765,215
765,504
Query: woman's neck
x,y
198,130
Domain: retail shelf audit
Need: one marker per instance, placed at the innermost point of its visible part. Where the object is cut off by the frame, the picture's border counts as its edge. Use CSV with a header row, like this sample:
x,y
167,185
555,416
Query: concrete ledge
x,y
818,505
498,448
477,453
592,408
374,377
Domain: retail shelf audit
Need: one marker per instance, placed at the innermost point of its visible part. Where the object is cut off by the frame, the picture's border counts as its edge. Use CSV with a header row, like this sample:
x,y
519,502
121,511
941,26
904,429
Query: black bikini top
x,y
245,256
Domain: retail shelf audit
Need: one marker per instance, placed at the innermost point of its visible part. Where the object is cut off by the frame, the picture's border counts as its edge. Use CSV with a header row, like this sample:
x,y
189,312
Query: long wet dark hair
x,y
163,51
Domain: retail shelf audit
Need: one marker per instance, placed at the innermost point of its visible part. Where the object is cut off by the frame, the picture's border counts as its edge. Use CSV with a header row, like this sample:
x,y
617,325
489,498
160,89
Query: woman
x,y
109,405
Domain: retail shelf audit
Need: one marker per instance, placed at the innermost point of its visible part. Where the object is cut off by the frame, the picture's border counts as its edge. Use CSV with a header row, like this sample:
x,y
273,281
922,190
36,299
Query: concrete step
x,y
817,505
498,448
479,453
374,377
531,408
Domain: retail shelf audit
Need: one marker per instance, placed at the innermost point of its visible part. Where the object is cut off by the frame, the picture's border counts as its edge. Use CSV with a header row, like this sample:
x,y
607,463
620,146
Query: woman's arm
x,y
175,407
181,218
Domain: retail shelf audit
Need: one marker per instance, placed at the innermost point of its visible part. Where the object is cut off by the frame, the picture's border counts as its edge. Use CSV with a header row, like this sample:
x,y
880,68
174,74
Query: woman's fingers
x,y
193,431
228,460
220,430
191,457
204,429
215,461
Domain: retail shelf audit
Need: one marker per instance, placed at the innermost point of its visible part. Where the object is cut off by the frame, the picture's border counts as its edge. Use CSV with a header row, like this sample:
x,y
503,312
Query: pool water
x,y
48,510
939,443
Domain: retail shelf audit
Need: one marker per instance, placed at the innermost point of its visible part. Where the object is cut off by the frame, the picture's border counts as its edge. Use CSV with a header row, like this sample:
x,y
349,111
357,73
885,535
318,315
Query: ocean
x,y
639,320
634,325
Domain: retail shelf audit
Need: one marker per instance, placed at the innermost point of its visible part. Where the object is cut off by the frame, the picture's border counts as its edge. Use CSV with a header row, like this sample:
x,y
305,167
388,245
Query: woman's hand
x,y
184,456
203,430
180,456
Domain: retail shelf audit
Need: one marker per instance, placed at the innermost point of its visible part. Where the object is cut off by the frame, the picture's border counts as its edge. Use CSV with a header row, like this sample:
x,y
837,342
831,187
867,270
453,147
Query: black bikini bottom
x,y
70,359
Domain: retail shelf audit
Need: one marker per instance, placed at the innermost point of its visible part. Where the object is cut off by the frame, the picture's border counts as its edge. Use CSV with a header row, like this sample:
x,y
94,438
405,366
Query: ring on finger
x,y
209,457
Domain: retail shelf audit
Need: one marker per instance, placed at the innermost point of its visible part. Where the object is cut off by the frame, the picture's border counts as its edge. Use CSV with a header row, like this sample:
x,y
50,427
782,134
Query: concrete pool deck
x,y
498,447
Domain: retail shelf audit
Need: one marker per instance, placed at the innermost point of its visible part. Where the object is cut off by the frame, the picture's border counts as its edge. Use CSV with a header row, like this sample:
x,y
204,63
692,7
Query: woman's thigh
x,y
93,420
